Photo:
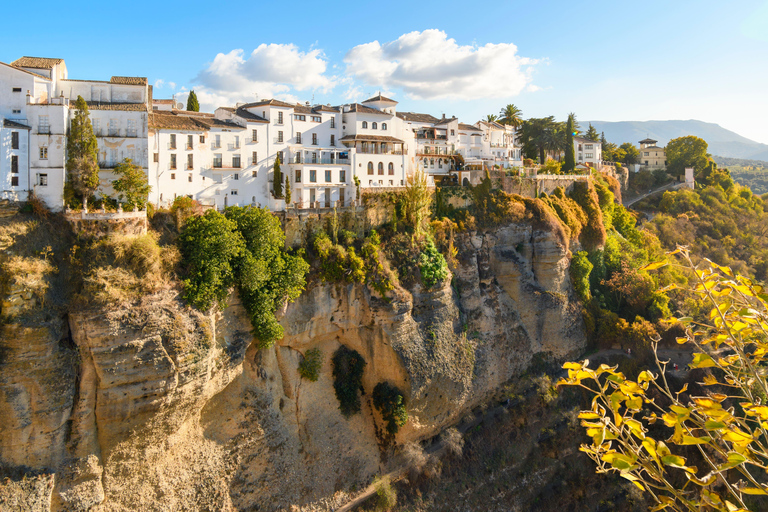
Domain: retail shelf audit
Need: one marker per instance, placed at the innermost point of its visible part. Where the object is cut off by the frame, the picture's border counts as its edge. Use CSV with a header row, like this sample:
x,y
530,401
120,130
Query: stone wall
x,y
99,223
533,186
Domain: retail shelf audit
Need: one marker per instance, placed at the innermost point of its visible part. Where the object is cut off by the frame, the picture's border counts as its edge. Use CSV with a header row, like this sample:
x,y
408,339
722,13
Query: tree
x,y
570,153
277,177
416,202
491,118
82,154
131,185
631,155
539,135
608,149
688,151
592,134
724,431
192,104
287,191
209,245
511,115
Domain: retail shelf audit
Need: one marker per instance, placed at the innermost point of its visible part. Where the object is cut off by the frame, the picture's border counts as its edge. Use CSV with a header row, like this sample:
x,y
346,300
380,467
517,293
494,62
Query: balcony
x,y
170,144
43,130
278,140
322,161
189,147
369,151
215,145
250,140
234,146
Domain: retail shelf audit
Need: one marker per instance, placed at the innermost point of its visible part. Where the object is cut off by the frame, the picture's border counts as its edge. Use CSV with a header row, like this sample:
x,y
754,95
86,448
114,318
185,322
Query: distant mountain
x,y
721,142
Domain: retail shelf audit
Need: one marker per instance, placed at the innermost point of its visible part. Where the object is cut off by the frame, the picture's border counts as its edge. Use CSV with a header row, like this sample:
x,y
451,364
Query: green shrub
x,y
310,365
432,265
348,367
209,245
390,401
581,267
386,497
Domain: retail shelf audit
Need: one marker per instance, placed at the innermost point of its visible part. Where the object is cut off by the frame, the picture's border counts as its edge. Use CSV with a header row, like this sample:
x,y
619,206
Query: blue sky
x,y
604,60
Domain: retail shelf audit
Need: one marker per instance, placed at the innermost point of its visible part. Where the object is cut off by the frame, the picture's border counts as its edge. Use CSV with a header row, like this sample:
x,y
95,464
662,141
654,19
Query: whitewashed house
x,y
588,152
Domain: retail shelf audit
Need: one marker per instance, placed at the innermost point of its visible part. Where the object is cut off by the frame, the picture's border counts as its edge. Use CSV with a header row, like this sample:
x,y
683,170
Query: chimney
x,y
443,117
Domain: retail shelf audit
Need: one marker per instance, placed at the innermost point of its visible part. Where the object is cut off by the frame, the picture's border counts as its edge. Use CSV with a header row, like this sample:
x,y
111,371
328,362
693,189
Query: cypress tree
x,y
192,104
82,155
277,179
570,155
287,191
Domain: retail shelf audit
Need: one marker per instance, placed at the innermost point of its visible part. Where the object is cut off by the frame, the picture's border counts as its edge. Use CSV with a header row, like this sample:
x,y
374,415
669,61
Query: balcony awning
x,y
371,138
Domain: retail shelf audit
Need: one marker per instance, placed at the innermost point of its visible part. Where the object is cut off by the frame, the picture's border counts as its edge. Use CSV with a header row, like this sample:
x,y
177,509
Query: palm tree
x,y
512,116
491,118
540,135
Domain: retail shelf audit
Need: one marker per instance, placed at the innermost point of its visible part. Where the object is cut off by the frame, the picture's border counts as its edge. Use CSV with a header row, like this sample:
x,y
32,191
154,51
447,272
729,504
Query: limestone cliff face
x,y
158,407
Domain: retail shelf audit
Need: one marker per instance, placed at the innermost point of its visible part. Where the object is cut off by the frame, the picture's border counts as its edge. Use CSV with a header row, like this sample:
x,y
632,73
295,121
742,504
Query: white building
x,y
588,152
37,94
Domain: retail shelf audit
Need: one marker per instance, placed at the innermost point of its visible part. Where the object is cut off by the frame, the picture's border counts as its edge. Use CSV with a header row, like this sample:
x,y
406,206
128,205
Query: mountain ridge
x,y
722,142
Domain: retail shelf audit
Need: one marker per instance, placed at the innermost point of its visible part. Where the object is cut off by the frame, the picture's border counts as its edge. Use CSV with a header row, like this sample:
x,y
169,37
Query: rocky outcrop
x,y
158,407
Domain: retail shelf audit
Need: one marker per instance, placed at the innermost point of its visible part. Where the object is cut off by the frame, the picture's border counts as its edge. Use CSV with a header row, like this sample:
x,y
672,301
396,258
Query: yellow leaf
x,y
719,396
753,490
655,265
681,341
589,415
710,380
689,440
702,361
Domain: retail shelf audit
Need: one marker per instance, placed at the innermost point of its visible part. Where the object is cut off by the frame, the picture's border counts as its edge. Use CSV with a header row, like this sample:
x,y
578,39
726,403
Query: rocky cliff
x,y
154,406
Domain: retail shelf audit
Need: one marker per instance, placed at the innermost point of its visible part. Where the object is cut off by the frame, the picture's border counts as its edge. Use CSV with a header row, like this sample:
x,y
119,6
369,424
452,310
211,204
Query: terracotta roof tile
x,y
464,126
174,122
272,103
9,123
416,117
36,62
379,97
128,80
131,107
245,114
362,109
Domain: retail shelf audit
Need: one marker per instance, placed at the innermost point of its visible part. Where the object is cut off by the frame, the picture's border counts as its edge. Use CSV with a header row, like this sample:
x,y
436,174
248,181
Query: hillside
x,y
721,142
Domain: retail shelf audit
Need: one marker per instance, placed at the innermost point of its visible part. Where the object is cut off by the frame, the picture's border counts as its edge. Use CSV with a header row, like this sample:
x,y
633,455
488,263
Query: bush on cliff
x,y
389,400
348,367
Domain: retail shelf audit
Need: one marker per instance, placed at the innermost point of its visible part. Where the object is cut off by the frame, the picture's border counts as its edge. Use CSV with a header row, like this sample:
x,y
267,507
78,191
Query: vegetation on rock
x,y
348,368
310,364
389,400
131,185
82,156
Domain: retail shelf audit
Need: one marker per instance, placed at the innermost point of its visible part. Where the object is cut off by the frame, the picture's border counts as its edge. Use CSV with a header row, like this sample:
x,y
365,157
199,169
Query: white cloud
x,y
429,65
270,71
160,84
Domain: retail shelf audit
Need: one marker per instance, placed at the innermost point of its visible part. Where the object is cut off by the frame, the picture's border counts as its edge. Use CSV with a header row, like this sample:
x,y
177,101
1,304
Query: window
x,y
298,137
383,126
381,168
314,158
17,89
14,163
365,124
190,141
255,174
327,176
14,181
370,167
236,176
300,117
233,192
374,126
279,118
190,161
314,139
333,122
131,130
297,158
279,136
217,141
202,139
333,140
646,153
14,140
42,125
189,178
391,169
317,119
43,153
217,160
298,176
237,142
114,131
173,176
171,145
390,183
432,163
453,133
43,180
312,176
589,155
587,146
17,111
280,156
236,161
343,176
254,158
440,163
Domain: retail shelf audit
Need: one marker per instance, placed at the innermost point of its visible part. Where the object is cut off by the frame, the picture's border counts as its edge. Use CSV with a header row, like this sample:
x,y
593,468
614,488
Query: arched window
x,y
381,169
383,126
365,124
374,126
391,169
426,162
370,167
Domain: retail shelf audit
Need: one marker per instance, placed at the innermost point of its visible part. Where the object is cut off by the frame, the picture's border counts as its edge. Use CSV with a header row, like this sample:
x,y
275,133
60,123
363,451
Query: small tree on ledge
x,y
277,179
82,154
192,103
287,191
